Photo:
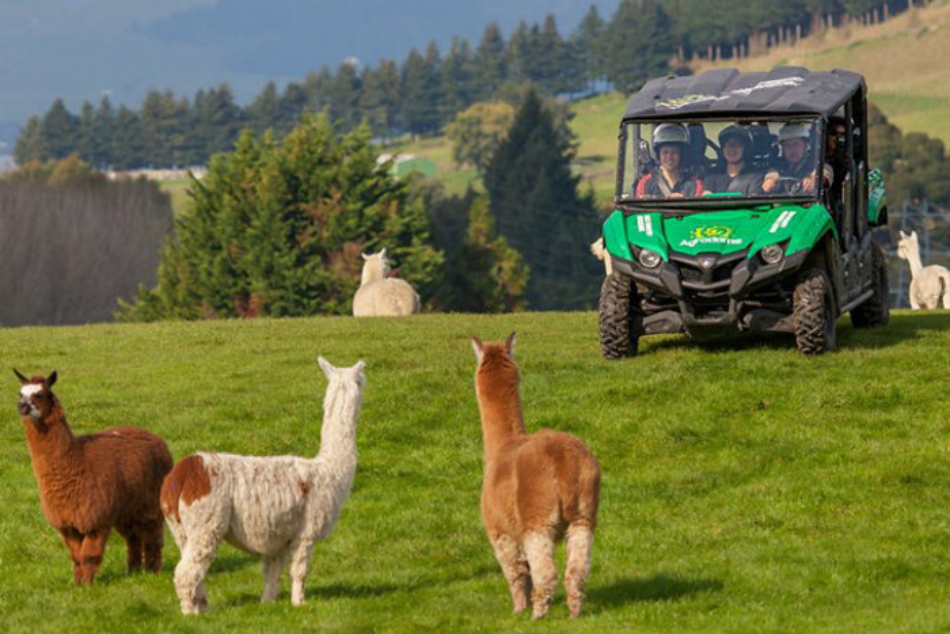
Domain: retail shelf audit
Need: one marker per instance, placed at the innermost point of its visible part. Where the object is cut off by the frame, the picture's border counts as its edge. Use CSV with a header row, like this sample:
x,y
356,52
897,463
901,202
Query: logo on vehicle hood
x,y
711,234
686,100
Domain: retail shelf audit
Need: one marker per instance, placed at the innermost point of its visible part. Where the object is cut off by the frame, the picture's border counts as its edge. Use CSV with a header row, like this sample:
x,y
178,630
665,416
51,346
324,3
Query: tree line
x,y
420,95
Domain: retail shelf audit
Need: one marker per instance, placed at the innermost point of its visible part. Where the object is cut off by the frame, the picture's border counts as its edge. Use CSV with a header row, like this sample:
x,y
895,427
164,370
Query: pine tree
x,y
535,200
419,95
104,130
60,130
490,63
641,44
589,46
344,97
264,112
31,144
128,144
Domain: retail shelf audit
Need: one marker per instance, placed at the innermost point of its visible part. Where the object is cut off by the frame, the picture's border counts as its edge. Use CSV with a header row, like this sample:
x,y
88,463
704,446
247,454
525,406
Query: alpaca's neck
x,y
370,274
338,434
50,440
499,404
913,258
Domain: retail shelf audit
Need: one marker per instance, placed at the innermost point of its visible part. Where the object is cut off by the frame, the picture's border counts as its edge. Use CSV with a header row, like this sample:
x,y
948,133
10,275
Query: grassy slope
x,y
904,60
746,488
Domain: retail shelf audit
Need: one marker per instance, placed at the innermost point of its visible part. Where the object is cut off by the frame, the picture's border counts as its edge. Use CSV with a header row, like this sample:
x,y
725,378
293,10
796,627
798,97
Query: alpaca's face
x,y
905,245
35,400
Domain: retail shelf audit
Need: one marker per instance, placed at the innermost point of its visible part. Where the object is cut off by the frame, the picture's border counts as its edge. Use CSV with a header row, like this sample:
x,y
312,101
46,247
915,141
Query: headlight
x,y
649,259
772,254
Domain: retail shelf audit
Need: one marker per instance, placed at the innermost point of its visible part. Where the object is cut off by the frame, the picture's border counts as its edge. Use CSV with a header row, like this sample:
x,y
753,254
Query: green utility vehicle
x,y
744,203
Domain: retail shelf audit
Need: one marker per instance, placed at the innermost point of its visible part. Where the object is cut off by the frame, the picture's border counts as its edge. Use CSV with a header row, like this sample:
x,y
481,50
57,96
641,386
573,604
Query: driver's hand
x,y
808,183
768,184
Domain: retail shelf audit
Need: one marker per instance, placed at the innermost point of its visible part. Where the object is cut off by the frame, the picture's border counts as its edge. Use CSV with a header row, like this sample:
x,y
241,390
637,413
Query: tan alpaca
x,y
929,285
537,489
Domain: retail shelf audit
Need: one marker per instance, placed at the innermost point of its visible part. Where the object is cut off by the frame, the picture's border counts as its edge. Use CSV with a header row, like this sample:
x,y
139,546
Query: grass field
x,y
746,488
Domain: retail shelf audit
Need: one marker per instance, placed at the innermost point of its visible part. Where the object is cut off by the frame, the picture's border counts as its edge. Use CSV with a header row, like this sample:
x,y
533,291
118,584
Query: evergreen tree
x,y
293,104
390,83
489,275
458,76
535,200
280,228
264,112
641,44
420,94
31,144
60,130
372,102
589,46
128,144
344,97
490,63
103,130
319,88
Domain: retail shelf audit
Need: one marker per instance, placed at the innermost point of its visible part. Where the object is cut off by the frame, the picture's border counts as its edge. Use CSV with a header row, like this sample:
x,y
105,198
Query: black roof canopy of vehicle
x,y
785,90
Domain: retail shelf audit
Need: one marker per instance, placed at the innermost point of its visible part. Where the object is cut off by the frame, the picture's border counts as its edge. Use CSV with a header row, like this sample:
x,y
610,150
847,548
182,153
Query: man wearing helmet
x,y
796,167
671,177
735,142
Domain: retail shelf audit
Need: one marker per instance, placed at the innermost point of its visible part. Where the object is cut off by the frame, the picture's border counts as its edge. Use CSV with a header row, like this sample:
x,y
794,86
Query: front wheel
x,y
619,330
874,312
814,316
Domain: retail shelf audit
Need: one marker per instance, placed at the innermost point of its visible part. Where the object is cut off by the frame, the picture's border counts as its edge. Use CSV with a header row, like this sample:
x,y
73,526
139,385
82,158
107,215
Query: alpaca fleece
x,y
537,489
90,484
276,507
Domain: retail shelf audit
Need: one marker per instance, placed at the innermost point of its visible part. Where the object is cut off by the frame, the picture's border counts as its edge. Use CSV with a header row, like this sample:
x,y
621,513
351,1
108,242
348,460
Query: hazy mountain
x,y
85,49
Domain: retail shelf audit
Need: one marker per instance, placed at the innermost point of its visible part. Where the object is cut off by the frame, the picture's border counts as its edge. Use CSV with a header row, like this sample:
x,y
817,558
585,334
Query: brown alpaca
x,y
537,489
88,484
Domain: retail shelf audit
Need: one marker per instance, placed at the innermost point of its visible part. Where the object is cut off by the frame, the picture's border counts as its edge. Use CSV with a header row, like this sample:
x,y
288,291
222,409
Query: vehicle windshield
x,y
758,159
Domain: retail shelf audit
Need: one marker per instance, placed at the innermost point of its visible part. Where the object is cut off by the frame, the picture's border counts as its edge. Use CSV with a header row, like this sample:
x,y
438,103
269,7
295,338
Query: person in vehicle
x,y
735,142
796,171
671,178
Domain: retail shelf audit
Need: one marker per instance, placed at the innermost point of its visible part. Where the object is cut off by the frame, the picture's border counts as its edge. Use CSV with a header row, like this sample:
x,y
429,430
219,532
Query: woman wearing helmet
x,y
796,165
735,142
670,178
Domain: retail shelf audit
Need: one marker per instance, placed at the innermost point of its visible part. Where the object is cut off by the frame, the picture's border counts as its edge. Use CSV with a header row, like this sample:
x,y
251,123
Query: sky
x,y
83,50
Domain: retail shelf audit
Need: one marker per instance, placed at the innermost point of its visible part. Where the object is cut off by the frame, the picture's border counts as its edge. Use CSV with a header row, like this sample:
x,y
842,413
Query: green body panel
x,y
719,231
877,197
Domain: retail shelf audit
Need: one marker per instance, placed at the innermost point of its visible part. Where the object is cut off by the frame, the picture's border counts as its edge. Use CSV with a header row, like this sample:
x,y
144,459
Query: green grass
x,y
746,488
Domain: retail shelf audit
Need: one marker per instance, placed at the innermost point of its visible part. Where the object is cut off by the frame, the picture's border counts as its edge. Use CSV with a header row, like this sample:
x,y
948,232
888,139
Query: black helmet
x,y
739,132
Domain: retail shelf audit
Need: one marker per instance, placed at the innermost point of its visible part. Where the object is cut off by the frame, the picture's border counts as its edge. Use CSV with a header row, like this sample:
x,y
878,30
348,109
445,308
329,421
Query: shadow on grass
x,y
658,588
902,327
358,590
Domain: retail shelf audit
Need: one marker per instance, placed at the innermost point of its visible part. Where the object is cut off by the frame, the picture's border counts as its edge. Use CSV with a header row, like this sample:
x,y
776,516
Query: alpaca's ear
x,y
51,379
913,234
359,365
903,235
510,344
477,348
364,256
382,253
23,379
325,366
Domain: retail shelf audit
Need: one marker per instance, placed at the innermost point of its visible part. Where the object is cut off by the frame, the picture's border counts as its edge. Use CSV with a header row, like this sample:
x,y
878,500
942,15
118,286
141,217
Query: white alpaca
x,y
276,507
600,252
382,296
929,284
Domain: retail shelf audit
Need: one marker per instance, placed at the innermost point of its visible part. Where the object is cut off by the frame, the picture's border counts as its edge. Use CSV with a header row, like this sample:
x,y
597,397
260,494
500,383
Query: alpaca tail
x,y
944,281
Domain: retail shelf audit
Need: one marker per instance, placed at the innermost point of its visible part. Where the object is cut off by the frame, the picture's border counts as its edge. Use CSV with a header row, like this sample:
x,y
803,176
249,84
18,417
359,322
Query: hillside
x,y
906,62
746,488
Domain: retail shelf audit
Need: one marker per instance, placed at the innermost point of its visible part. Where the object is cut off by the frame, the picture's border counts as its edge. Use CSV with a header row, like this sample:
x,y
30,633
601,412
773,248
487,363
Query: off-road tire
x,y
874,312
619,317
814,316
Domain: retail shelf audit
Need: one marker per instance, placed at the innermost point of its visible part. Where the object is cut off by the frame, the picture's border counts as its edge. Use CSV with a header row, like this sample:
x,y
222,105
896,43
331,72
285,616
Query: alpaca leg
x,y
513,564
153,538
93,545
299,567
133,543
190,575
273,566
73,541
579,541
539,549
